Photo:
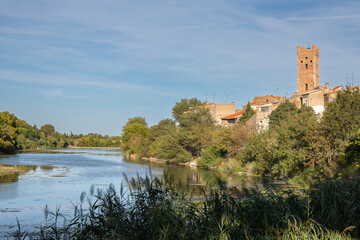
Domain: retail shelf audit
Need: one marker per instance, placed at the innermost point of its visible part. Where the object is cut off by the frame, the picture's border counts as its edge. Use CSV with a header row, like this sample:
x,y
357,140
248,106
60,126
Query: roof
x,y
272,97
260,103
235,115
205,105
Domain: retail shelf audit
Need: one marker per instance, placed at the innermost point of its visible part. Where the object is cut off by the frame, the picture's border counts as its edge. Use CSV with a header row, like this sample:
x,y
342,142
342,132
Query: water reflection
x,y
11,173
194,179
57,178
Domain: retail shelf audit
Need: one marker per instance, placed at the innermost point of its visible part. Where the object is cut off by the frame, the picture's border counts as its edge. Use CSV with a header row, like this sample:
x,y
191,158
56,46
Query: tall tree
x,y
48,129
134,126
185,104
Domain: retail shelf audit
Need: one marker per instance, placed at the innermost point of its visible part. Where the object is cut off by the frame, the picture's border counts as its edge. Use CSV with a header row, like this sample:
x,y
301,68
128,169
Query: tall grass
x,y
153,208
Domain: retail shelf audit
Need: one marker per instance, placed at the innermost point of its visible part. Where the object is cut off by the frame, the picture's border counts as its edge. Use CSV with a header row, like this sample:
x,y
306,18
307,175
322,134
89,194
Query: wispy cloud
x,y
50,80
60,93
324,18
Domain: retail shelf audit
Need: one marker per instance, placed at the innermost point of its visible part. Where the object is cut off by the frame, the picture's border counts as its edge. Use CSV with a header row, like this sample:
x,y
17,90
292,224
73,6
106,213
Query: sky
x,y
87,66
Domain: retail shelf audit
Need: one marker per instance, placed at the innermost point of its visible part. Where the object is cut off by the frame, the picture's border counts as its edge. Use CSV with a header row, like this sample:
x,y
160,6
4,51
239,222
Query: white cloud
x,y
50,80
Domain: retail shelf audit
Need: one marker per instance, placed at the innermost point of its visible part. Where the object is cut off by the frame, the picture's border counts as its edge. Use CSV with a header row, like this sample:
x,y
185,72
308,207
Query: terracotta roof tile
x,y
205,105
235,115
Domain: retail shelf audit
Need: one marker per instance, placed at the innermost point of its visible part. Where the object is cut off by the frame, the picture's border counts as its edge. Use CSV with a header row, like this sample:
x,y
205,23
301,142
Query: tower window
x,y
310,60
306,87
301,61
306,66
305,57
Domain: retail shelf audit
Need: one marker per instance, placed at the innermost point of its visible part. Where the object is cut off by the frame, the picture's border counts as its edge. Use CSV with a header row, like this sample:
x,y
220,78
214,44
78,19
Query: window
x,y
305,57
264,109
310,60
306,66
301,61
306,87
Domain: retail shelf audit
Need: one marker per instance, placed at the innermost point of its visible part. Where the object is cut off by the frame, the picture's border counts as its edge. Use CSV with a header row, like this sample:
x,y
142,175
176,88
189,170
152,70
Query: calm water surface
x,y
59,177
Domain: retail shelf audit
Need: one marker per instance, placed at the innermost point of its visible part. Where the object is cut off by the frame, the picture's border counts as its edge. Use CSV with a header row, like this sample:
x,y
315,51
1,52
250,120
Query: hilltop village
x,y
309,93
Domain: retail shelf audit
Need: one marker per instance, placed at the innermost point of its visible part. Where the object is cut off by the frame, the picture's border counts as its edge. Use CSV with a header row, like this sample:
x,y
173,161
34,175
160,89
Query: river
x,y
57,178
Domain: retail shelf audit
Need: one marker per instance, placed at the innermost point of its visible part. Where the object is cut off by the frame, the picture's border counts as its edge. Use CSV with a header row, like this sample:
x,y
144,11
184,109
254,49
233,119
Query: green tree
x,y
210,157
283,149
284,111
162,128
249,112
195,117
8,132
341,120
350,161
197,125
171,148
185,104
139,120
134,126
47,129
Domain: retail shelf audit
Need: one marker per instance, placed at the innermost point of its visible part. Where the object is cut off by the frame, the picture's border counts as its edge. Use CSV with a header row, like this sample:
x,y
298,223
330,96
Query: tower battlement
x,y
308,69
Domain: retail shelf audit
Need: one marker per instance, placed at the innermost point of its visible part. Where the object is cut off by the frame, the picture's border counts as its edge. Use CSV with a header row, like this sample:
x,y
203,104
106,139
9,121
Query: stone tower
x,y
308,69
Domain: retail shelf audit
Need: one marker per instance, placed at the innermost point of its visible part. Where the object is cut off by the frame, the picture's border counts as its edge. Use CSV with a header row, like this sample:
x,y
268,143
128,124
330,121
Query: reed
x,y
153,208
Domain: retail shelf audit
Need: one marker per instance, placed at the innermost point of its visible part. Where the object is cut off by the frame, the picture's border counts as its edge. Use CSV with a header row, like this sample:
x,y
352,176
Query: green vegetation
x,y
300,145
10,173
17,134
153,208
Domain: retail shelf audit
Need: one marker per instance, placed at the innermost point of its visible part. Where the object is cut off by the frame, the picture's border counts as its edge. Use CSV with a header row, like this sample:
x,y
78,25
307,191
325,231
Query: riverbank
x,y
10,173
69,147
75,147
225,167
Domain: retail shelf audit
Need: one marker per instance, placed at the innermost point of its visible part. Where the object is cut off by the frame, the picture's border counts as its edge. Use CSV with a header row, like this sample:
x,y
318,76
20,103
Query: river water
x,y
57,179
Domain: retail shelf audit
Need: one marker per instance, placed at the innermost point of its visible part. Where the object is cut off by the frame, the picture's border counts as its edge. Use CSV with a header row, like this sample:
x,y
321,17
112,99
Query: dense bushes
x,y
155,209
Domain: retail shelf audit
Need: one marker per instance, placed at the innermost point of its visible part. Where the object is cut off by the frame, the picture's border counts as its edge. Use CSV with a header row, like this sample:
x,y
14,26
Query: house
x,y
231,119
219,111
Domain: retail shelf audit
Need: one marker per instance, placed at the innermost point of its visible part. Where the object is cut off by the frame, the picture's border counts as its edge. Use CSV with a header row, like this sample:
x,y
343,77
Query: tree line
x,y
299,144
17,134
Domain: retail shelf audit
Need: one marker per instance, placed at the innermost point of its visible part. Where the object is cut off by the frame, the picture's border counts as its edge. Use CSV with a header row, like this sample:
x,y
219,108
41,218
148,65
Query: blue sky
x,y
87,66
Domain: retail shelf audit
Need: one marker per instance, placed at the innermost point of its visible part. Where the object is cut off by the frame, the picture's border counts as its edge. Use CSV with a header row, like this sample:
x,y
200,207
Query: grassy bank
x,y
155,209
10,173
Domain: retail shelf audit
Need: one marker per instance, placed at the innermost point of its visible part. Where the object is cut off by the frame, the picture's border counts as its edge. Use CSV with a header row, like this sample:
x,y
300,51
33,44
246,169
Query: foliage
x,y
198,126
210,157
341,120
155,209
171,148
17,134
350,161
48,129
299,145
8,132
185,104
196,117
134,126
283,149
162,128
97,140
139,120
232,140
249,112
284,111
